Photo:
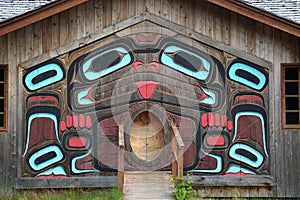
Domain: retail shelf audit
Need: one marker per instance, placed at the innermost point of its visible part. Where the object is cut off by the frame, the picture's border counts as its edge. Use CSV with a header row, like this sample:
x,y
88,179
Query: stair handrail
x,y
178,150
121,153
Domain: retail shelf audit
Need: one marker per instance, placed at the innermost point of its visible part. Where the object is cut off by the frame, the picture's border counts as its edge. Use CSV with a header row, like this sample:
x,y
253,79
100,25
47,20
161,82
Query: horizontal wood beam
x,y
224,181
37,15
259,15
71,182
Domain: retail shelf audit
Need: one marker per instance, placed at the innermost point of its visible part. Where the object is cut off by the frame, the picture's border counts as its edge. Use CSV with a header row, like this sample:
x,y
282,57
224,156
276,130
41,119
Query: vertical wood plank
x,y
191,14
279,166
80,21
47,35
63,28
98,15
166,9
89,19
107,13
208,20
124,10
259,39
116,11
296,164
140,7
132,8
254,192
55,31
217,23
225,26
37,39
263,192
21,42
3,49
29,42
174,11
183,15
269,34
199,16
3,158
149,6
72,28
245,191
14,59
157,7
251,37
233,29
242,33
288,162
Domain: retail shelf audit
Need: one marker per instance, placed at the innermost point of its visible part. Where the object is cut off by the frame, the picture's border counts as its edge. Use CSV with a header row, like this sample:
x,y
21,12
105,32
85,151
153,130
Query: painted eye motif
x,y
106,62
186,61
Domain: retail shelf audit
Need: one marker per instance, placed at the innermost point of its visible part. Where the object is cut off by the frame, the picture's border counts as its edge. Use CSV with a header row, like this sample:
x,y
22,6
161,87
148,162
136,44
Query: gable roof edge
x,y
37,15
259,15
146,16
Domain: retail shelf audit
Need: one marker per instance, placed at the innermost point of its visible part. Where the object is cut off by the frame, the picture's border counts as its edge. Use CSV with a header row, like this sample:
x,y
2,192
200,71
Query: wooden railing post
x,y
121,159
178,150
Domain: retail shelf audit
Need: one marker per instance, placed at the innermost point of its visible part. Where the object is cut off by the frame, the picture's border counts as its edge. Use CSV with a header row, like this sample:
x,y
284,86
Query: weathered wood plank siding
x,y
222,25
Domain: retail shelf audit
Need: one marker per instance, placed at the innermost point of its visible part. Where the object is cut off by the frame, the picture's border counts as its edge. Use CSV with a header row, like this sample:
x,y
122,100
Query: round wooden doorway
x,y
147,136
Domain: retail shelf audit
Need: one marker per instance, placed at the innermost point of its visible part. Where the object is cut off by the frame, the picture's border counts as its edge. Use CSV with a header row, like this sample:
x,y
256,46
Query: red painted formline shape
x,y
215,140
145,38
77,142
75,121
62,126
69,121
146,88
229,125
53,176
204,120
211,119
41,98
238,174
248,98
224,121
217,119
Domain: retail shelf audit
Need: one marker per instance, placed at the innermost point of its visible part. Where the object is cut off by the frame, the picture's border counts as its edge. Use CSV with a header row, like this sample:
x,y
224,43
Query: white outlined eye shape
x,y
106,62
186,61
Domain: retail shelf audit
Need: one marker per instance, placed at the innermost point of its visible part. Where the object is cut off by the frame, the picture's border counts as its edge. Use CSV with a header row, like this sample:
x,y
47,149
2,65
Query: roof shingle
x,y
287,9
13,8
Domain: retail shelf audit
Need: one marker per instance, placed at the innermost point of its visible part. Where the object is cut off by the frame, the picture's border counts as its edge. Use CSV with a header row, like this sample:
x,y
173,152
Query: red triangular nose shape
x,y
146,88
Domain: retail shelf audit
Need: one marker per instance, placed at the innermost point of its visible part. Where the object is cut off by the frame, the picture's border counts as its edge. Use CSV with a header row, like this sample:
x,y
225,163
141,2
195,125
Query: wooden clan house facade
x,y
90,88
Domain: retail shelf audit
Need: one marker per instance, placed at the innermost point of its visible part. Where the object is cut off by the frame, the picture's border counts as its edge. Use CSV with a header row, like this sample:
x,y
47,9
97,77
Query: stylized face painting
x,y
147,83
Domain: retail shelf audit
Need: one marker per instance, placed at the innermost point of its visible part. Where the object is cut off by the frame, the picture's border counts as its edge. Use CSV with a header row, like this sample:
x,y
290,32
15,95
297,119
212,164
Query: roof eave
x,y
37,15
259,15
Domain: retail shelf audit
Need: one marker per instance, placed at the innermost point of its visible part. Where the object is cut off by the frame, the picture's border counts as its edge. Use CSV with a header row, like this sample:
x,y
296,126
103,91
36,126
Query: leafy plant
x,y
183,189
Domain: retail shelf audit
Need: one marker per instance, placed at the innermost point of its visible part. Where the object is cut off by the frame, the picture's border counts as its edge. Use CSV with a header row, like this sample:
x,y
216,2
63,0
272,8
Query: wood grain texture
x,y
202,21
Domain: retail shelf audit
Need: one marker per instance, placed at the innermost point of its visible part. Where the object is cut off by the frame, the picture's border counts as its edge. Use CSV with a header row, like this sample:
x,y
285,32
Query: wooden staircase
x,y
147,185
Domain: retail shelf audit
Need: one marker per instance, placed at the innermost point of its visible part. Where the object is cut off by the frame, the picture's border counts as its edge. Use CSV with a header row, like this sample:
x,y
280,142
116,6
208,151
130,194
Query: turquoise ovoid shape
x,y
92,75
237,156
59,170
49,149
78,171
168,60
43,70
262,79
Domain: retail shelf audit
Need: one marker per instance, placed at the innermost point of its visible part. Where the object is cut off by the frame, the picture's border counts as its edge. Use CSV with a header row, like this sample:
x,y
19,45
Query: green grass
x,y
65,194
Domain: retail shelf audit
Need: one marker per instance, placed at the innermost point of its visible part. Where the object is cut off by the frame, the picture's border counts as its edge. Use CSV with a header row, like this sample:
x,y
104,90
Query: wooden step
x,y
147,185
